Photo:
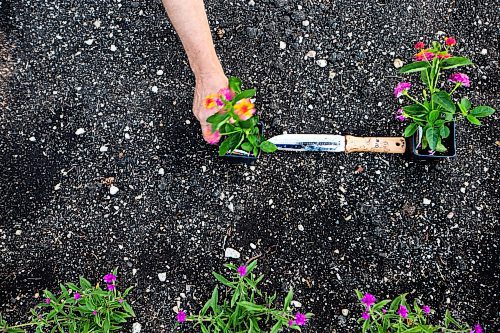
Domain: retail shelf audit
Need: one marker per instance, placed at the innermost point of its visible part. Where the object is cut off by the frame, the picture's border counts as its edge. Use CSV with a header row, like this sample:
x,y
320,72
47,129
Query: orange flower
x,y
244,109
425,54
212,101
443,55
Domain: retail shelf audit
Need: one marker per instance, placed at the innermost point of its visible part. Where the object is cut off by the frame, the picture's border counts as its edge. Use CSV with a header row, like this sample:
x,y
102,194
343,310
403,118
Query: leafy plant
x,y
79,308
398,316
236,120
241,307
437,107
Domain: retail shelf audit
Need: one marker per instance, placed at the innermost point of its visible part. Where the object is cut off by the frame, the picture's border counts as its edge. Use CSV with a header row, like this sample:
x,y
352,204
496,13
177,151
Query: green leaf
x,y
415,67
424,76
414,109
85,283
440,147
250,306
465,103
432,136
224,147
442,98
410,130
433,116
223,280
288,299
249,93
246,146
276,327
235,84
268,147
444,131
215,299
217,118
473,119
228,128
482,111
455,62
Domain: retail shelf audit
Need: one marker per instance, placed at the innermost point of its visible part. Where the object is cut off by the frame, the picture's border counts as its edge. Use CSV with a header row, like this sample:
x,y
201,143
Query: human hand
x,y
205,85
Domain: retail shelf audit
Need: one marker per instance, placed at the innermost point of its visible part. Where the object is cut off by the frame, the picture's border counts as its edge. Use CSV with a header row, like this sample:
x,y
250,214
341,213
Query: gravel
x,y
376,234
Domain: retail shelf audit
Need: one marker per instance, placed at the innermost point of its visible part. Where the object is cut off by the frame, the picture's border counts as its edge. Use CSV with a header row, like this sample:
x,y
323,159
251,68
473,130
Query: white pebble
x,y
136,328
300,227
97,24
322,63
484,51
398,63
89,41
203,168
134,271
159,72
80,131
32,139
311,54
450,215
154,89
462,189
296,304
282,45
113,190
19,232
231,207
161,171
231,253
127,136
188,121
426,201
57,187
113,48
162,276
305,23
345,312
270,201
103,149
251,3
253,246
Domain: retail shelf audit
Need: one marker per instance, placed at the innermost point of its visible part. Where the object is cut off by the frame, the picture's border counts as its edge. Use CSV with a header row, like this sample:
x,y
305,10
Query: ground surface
x,y
369,230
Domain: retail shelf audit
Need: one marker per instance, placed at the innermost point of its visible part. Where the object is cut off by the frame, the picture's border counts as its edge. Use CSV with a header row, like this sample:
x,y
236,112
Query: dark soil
x,y
365,224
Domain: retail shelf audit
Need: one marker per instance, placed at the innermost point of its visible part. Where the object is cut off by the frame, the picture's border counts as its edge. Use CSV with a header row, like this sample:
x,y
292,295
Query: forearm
x,y
190,21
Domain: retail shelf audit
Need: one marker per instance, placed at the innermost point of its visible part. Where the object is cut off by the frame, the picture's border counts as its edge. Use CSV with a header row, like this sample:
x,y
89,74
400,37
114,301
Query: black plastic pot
x,y
450,143
242,157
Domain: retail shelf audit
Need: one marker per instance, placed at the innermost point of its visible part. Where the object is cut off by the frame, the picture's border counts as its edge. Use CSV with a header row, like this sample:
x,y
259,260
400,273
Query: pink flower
x,y
211,138
426,309
111,287
211,101
365,315
291,323
227,93
478,328
368,300
94,312
419,45
300,319
424,54
120,300
401,88
181,316
109,278
384,311
402,311
77,296
399,115
47,301
460,78
242,270
450,41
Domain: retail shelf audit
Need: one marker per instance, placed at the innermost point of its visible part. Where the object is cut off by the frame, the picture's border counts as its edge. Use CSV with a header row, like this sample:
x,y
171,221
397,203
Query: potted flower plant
x,y
236,122
433,115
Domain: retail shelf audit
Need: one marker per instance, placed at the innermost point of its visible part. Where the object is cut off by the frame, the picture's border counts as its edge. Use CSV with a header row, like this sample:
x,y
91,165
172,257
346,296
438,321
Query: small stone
x,y
136,328
188,122
462,189
426,201
80,131
113,48
398,63
231,253
159,72
332,74
89,41
162,276
484,51
305,23
97,23
161,171
251,3
57,187
103,149
32,139
296,304
154,89
282,45
231,207
345,312
127,136
322,62
134,271
450,215
270,201
19,232
300,227
113,190
253,246
311,54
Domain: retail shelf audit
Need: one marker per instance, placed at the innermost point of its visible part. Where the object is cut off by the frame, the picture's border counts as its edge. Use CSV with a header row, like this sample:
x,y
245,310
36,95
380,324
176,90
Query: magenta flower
x,y
384,311
365,315
300,319
401,88
478,328
227,93
120,300
399,115
94,313
242,270
109,278
460,78
77,296
47,300
426,309
368,300
111,287
402,311
291,323
181,316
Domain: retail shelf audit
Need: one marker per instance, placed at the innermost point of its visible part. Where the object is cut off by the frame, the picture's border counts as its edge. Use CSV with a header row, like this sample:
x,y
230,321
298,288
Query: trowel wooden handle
x,y
390,145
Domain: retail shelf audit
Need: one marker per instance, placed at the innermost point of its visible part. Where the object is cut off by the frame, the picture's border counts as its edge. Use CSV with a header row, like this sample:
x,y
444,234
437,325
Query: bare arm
x,y
190,21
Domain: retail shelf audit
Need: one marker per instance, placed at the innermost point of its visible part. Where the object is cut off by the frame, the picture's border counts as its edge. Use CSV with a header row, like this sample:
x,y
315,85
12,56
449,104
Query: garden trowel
x,y
339,143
